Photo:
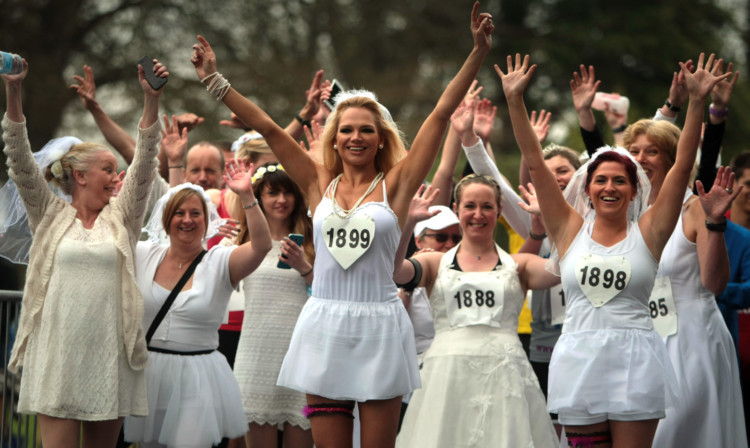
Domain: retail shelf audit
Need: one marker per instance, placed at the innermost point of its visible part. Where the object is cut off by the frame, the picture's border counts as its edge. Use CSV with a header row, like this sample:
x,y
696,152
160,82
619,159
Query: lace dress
x,y
478,388
273,300
81,321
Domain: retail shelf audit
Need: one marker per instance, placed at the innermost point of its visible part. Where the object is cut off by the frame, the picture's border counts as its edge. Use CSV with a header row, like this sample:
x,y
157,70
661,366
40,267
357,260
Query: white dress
x,y
273,300
609,359
353,339
193,400
709,408
478,386
75,388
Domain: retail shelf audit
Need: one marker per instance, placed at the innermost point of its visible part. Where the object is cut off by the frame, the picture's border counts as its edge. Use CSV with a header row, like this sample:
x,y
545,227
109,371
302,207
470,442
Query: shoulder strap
x,y
172,296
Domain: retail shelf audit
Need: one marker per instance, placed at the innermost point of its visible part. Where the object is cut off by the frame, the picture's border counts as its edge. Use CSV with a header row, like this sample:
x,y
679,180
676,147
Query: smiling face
x,y
203,166
278,203
357,137
99,181
185,213
441,240
477,210
562,169
653,160
610,188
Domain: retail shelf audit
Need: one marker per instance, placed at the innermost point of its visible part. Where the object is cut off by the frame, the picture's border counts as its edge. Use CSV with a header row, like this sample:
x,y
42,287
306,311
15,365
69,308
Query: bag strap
x,y
172,296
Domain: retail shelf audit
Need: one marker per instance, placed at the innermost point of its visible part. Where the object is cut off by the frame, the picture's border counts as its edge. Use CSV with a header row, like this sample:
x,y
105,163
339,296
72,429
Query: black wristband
x,y
302,121
619,129
536,236
670,106
717,226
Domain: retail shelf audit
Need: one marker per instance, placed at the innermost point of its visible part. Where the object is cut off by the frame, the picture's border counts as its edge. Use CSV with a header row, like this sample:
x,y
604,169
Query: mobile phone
x,y
298,240
336,88
156,82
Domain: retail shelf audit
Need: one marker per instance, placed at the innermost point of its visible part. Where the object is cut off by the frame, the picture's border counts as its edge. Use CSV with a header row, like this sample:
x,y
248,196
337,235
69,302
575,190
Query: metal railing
x,y
16,431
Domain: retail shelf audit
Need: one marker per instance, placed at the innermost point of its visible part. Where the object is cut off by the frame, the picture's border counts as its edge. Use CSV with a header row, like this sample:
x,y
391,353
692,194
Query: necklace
x,y
341,212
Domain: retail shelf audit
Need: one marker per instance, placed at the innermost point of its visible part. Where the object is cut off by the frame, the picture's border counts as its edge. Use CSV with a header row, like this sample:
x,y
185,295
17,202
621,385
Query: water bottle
x,y
12,64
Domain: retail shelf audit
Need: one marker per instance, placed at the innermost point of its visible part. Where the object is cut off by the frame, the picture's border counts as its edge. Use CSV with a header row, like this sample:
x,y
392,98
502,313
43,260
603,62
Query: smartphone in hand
x,y
156,82
298,239
336,88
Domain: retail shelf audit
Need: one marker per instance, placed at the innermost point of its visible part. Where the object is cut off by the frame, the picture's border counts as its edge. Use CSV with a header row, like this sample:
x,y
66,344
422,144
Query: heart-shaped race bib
x,y
348,239
602,278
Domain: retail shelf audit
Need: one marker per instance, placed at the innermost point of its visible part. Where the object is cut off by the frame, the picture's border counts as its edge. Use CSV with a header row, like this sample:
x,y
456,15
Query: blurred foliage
x,y
404,51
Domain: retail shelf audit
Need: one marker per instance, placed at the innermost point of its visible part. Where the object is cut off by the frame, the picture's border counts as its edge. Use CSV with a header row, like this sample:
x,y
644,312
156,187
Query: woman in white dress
x,y
80,340
609,374
478,386
274,298
693,269
353,341
193,398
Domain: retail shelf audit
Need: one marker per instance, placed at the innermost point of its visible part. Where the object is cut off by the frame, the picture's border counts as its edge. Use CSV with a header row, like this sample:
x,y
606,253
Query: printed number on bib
x,y
348,239
662,308
557,304
473,298
602,278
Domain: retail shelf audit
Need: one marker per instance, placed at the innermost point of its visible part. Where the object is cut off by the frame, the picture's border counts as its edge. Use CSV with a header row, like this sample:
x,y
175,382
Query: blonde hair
x,y
79,158
662,134
393,146
252,150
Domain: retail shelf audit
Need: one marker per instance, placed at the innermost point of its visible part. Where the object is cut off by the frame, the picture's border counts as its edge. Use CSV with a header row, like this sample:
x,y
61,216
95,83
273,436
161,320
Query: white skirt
x,y
610,372
193,401
345,350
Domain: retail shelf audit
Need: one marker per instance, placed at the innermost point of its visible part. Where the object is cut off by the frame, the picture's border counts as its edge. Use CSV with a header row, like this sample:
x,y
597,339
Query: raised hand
x,y
189,121
584,87
203,59
702,81
313,141
484,119
473,93
234,122
540,124
462,119
312,95
18,78
419,208
718,200
481,28
160,70
532,204
238,178
517,78
678,92
86,87
722,91
173,142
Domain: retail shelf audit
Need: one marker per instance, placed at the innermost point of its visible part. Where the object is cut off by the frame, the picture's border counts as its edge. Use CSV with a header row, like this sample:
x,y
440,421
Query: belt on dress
x,y
174,352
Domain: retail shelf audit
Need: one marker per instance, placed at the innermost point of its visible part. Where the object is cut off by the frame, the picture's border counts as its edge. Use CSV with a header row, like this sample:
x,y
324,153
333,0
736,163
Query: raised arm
x,y
403,270
247,257
302,169
116,136
174,144
560,219
310,109
410,172
540,123
658,222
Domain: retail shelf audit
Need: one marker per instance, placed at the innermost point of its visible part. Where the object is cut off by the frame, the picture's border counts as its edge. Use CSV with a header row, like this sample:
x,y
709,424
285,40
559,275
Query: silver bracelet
x,y
251,205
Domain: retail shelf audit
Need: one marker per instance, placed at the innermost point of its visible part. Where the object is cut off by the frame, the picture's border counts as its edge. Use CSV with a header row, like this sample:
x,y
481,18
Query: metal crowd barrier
x,y
16,431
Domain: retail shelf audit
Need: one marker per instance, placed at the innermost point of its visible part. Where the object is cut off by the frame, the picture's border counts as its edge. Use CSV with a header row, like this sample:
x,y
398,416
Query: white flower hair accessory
x,y
354,93
244,139
154,228
260,172
57,169
15,234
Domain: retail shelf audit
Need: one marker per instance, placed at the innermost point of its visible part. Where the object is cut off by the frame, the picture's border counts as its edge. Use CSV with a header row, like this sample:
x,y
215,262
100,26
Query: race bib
x,y
348,239
662,308
600,278
473,298
557,304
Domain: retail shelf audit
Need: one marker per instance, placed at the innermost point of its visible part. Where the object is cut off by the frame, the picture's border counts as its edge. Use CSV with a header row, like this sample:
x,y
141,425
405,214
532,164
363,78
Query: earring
x,y
380,146
336,147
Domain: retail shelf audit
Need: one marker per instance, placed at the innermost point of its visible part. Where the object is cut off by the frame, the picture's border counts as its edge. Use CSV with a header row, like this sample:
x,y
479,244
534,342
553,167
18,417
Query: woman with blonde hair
x,y
353,342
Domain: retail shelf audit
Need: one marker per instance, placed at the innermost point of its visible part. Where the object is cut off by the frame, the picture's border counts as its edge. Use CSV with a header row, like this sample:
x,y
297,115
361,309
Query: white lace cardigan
x,y
49,218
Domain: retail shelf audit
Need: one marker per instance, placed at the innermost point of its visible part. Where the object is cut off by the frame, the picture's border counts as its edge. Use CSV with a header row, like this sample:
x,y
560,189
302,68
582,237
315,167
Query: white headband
x,y
154,228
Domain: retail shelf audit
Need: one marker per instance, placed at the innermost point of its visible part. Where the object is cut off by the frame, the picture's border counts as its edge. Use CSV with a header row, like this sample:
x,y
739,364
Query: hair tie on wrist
x,y
670,106
619,129
537,236
307,273
717,226
218,86
302,121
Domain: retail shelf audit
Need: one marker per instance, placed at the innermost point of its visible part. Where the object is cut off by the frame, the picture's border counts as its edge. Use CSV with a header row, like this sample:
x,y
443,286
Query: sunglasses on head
x,y
443,237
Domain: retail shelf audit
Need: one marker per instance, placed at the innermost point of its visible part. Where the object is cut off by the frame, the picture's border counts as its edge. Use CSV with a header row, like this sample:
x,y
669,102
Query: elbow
x,y
716,284
265,246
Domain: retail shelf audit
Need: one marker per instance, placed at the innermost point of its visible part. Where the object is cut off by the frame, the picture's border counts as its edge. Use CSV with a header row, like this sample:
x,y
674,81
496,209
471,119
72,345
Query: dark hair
x,y
613,156
300,222
170,208
740,163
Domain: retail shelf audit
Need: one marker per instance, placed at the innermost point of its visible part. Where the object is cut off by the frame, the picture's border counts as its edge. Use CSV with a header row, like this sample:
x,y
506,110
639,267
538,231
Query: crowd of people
x,y
275,293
